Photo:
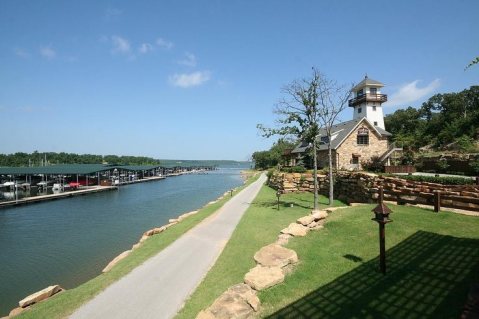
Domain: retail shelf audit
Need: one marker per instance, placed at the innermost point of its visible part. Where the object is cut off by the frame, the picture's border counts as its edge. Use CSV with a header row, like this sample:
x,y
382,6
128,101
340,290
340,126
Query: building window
x,y
360,92
355,159
359,110
375,123
374,107
363,136
373,90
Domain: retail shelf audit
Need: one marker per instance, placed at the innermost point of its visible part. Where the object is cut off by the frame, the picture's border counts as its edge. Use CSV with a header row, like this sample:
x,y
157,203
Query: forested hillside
x,y
442,120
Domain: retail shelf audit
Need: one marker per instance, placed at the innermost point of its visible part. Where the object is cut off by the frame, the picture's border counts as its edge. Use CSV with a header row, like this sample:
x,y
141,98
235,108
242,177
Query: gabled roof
x,y
367,82
339,133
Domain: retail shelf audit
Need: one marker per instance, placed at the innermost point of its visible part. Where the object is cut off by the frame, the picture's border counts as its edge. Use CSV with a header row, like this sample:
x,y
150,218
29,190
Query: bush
x,y
444,180
270,173
373,165
295,169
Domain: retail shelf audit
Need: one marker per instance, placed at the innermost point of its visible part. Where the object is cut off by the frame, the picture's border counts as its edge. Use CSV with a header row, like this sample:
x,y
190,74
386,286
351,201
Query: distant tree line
x,y
273,156
442,120
50,158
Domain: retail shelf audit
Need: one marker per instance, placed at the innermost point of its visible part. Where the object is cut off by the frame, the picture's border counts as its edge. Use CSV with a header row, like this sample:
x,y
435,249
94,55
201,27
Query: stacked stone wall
x,y
359,187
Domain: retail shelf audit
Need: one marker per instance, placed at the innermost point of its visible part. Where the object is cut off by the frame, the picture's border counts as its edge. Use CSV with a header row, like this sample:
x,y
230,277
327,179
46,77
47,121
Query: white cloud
x,y
145,48
47,52
120,45
21,53
189,60
410,92
186,80
164,44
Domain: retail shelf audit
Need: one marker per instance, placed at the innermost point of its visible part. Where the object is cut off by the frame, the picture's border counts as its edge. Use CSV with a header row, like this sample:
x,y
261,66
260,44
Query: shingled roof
x,y
339,132
367,82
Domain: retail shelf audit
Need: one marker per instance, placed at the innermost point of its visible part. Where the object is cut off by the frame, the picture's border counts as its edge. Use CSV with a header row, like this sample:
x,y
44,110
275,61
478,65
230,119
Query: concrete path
x,y
159,287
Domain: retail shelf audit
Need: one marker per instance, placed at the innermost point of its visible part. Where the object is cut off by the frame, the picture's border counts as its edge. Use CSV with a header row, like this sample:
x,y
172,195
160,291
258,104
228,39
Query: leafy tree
x,y
332,100
298,116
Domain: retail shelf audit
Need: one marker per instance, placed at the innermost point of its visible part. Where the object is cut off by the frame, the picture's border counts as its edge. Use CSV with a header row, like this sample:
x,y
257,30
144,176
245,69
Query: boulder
x,y
332,209
135,246
260,277
16,311
239,301
173,220
143,238
317,227
319,214
295,230
154,231
306,220
275,255
116,260
283,239
39,295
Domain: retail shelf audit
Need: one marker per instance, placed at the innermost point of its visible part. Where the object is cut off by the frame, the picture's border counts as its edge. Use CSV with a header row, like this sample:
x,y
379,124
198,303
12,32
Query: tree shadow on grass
x,y
428,277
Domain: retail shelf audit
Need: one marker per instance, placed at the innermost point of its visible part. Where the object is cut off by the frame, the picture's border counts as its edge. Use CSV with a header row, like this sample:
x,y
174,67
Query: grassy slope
x,y
432,259
259,226
65,303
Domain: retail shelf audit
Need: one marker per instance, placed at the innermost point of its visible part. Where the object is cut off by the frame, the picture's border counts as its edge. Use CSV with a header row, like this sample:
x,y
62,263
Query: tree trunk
x,y
315,176
331,186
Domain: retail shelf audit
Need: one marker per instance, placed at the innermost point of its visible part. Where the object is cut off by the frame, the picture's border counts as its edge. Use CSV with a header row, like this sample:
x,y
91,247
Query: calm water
x,y
71,240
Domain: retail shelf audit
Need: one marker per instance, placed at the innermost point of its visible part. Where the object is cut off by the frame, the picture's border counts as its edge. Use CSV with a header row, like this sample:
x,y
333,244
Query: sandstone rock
x,y
16,311
295,230
306,220
317,227
116,260
173,220
283,239
332,209
143,238
260,277
239,301
135,246
319,214
154,231
357,204
275,255
40,295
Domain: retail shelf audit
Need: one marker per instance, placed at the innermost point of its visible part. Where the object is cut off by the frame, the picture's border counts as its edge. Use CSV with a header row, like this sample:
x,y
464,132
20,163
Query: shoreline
x,y
180,221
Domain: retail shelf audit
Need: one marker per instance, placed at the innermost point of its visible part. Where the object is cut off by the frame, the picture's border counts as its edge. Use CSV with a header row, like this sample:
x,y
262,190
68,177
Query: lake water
x,y
70,241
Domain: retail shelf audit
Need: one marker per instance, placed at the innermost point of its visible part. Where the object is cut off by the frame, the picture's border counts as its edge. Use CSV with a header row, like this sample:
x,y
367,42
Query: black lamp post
x,y
278,195
381,216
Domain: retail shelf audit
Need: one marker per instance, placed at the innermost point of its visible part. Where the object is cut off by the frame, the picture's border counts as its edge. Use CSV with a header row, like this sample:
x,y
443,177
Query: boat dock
x,y
91,179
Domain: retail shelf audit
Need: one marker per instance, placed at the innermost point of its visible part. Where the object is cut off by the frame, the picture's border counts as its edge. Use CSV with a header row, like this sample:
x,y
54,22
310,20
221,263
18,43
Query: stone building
x,y
358,140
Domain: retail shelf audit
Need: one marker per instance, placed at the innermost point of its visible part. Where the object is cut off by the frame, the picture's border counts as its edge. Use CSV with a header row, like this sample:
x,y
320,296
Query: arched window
x,y
363,136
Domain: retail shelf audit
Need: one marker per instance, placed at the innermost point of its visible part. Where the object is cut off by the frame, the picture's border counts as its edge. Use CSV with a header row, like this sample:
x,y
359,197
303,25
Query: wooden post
x,y
382,249
437,201
477,180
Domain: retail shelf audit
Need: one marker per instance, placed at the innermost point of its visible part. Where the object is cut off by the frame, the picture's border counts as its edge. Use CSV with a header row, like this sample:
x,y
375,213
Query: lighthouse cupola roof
x,y
367,82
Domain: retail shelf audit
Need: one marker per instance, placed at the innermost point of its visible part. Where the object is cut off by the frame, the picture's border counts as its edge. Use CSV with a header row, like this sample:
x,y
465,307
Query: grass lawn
x,y
259,226
63,304
431,258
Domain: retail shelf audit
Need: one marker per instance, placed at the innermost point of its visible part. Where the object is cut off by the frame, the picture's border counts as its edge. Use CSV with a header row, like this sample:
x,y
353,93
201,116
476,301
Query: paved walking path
x,y
159,287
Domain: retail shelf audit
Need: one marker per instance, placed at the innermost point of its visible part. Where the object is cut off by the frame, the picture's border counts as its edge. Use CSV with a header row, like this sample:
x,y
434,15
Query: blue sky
x,y
191,79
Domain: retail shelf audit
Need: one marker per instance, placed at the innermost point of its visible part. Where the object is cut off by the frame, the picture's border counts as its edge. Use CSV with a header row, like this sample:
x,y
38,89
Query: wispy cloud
x,y
47,52
410,92
145,48
112,12
21,53
120,45
188,60
187,80
164,44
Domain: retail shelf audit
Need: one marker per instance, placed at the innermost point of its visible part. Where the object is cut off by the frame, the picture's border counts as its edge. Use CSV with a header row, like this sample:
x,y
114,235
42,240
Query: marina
x,y
27,185
68,242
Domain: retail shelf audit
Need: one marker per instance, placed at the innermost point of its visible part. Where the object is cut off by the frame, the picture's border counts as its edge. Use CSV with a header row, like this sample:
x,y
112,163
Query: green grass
x,y
65,303
259,227
431,258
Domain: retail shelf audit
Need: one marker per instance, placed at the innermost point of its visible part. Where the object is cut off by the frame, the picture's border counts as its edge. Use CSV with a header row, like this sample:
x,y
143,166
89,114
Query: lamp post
x,y
278,195
381,216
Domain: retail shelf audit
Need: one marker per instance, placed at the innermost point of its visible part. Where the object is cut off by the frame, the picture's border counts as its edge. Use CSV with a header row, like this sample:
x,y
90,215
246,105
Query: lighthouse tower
x,y
368,100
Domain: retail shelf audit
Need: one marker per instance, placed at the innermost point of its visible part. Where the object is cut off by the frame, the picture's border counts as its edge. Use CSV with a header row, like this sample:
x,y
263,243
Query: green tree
x,y
298,116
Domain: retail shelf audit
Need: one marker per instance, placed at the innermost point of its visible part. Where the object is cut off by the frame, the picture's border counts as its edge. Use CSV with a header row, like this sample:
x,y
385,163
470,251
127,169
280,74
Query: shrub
x,y
444,180
373,165
295,169
475,166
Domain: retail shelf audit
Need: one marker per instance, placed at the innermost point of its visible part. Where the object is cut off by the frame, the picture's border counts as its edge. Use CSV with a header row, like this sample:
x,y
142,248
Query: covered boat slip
x,y
22,185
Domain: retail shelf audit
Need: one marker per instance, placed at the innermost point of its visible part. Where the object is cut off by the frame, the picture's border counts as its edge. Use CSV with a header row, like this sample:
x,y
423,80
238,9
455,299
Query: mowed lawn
x,y
432,260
